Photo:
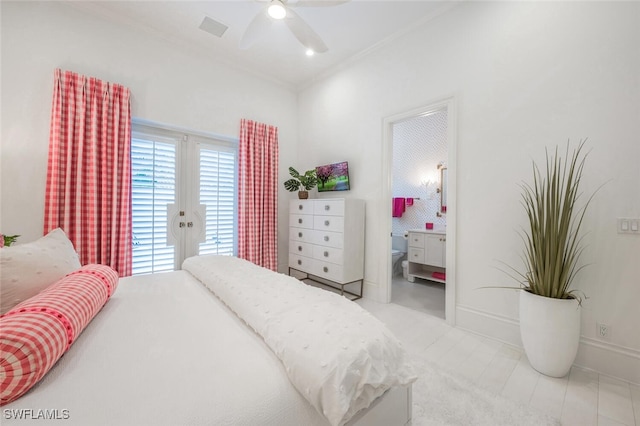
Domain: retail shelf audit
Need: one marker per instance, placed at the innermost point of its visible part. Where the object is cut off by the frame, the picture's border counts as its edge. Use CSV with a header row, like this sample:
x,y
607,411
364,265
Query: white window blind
x,y
218,194
153,167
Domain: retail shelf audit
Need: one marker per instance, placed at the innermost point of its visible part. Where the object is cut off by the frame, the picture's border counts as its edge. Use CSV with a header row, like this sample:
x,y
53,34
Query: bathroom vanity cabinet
x,y
427,255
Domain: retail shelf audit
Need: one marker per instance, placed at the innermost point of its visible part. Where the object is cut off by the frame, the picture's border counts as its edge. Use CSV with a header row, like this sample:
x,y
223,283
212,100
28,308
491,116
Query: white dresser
x,y
326,239
427,255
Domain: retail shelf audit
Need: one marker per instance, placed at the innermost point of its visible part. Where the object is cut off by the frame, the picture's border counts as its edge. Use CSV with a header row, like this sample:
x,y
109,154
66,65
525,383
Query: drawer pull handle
x,y
299,262
300,220
325,269
326,223
299,234
326,238
300,207
326,254
299,248
327,207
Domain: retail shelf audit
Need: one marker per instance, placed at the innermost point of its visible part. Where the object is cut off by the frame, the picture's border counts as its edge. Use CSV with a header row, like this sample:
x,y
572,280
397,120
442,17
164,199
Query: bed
x,y
224,342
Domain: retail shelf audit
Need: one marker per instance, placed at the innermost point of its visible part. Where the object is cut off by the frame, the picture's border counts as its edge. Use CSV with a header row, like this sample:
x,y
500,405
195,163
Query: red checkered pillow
x,y
35,333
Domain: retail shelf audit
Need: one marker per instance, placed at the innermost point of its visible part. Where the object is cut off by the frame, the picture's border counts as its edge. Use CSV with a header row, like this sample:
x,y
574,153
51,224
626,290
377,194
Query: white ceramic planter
x,y
550,331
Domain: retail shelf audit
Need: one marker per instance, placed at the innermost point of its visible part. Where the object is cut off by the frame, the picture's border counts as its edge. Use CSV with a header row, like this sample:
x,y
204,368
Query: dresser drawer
x,y
416,255
301,234
300,248
301,221
329,254
329,271
328,239
301,206
416,239
301,263
329,223
328,207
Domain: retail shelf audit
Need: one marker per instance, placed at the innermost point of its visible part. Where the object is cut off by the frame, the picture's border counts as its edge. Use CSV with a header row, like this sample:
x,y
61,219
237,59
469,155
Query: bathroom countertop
x,y
429,231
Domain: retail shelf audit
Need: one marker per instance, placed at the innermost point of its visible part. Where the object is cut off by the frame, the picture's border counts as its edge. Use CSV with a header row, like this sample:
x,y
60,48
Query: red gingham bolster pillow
x,y
37,332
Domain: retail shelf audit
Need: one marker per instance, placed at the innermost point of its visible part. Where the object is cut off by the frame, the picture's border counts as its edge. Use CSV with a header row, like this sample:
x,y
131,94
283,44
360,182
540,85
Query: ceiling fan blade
x,y
304,33
257,28
315,3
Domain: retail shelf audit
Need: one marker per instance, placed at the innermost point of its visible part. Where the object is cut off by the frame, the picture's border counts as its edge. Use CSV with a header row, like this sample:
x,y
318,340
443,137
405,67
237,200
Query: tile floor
x,y
422,295
582,398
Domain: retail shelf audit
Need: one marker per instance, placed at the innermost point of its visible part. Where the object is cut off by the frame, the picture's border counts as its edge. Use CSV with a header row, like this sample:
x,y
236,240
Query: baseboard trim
x,y
605,358
504,329
609,359
372,291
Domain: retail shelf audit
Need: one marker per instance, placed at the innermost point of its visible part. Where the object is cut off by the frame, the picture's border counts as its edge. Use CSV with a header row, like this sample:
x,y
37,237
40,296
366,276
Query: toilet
x,y
396,261
398,253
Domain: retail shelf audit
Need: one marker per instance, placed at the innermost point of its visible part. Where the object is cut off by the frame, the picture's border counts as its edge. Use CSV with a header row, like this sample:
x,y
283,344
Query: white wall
x,y
525,75
419,145
168,83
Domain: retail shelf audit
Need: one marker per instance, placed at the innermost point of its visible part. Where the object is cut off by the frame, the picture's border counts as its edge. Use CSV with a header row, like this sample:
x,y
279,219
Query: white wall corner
x,y
605,358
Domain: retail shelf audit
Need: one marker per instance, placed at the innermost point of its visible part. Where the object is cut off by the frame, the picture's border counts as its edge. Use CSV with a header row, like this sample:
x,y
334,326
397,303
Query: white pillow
x,y
26,269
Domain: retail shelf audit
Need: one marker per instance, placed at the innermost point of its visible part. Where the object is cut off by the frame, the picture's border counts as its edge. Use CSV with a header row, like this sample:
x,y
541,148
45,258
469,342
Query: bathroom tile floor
x,y
421,295
581,398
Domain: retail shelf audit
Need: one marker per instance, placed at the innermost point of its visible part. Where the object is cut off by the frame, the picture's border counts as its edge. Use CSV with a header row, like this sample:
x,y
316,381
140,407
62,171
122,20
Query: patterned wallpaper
x,y
419,144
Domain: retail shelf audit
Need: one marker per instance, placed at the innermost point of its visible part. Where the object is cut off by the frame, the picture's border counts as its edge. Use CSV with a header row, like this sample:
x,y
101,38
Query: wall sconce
x,y
430,186
426,183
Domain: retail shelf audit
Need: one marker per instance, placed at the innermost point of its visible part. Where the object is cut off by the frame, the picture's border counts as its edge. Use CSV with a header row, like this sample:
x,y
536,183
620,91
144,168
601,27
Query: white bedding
x,y
338,356
165,351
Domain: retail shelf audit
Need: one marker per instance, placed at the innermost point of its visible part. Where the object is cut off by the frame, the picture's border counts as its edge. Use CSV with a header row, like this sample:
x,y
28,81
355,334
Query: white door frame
x,y
449,105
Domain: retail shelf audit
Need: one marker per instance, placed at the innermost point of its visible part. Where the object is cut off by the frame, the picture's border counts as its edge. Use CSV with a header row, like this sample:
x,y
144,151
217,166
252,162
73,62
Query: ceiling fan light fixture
x,y
277,10
310,52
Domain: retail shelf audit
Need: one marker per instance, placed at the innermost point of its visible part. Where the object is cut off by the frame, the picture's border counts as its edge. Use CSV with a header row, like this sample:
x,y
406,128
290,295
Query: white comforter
x,y
338,356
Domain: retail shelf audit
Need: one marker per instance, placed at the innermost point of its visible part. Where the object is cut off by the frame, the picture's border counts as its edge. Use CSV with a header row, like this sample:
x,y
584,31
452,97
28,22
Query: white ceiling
x,y
349,30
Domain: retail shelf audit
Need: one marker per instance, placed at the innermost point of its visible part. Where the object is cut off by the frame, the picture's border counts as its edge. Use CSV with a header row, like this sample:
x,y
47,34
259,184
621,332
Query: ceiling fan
x,y
283,9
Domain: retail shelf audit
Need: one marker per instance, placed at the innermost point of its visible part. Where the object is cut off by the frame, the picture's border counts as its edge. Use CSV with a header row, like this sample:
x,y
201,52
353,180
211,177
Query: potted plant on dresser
x,y
549,309
301,183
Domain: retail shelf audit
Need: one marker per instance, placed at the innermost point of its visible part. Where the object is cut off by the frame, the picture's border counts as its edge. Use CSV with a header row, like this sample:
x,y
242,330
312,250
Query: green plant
x,y
307,181
553,243
7,240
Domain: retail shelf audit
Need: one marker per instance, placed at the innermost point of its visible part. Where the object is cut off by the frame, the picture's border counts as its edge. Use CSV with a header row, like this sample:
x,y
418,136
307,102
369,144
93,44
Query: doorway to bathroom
x,y
421,157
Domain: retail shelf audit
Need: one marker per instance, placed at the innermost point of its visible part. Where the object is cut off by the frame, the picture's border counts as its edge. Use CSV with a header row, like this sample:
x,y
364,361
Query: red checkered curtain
x,y
89,172
258,194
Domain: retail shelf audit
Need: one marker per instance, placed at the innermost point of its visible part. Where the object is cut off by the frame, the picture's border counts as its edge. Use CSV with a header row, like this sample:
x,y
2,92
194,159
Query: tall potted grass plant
x,y
549,308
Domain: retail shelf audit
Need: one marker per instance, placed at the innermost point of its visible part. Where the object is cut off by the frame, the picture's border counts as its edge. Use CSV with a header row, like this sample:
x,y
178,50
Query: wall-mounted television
x,y
333,177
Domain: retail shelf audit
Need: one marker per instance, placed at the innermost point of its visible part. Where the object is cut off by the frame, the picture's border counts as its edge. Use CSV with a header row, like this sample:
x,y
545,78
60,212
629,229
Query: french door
x,y
183,197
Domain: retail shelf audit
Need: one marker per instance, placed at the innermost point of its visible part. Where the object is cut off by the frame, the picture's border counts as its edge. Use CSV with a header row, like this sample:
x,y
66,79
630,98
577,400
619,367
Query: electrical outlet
x,y
628,225
603,331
